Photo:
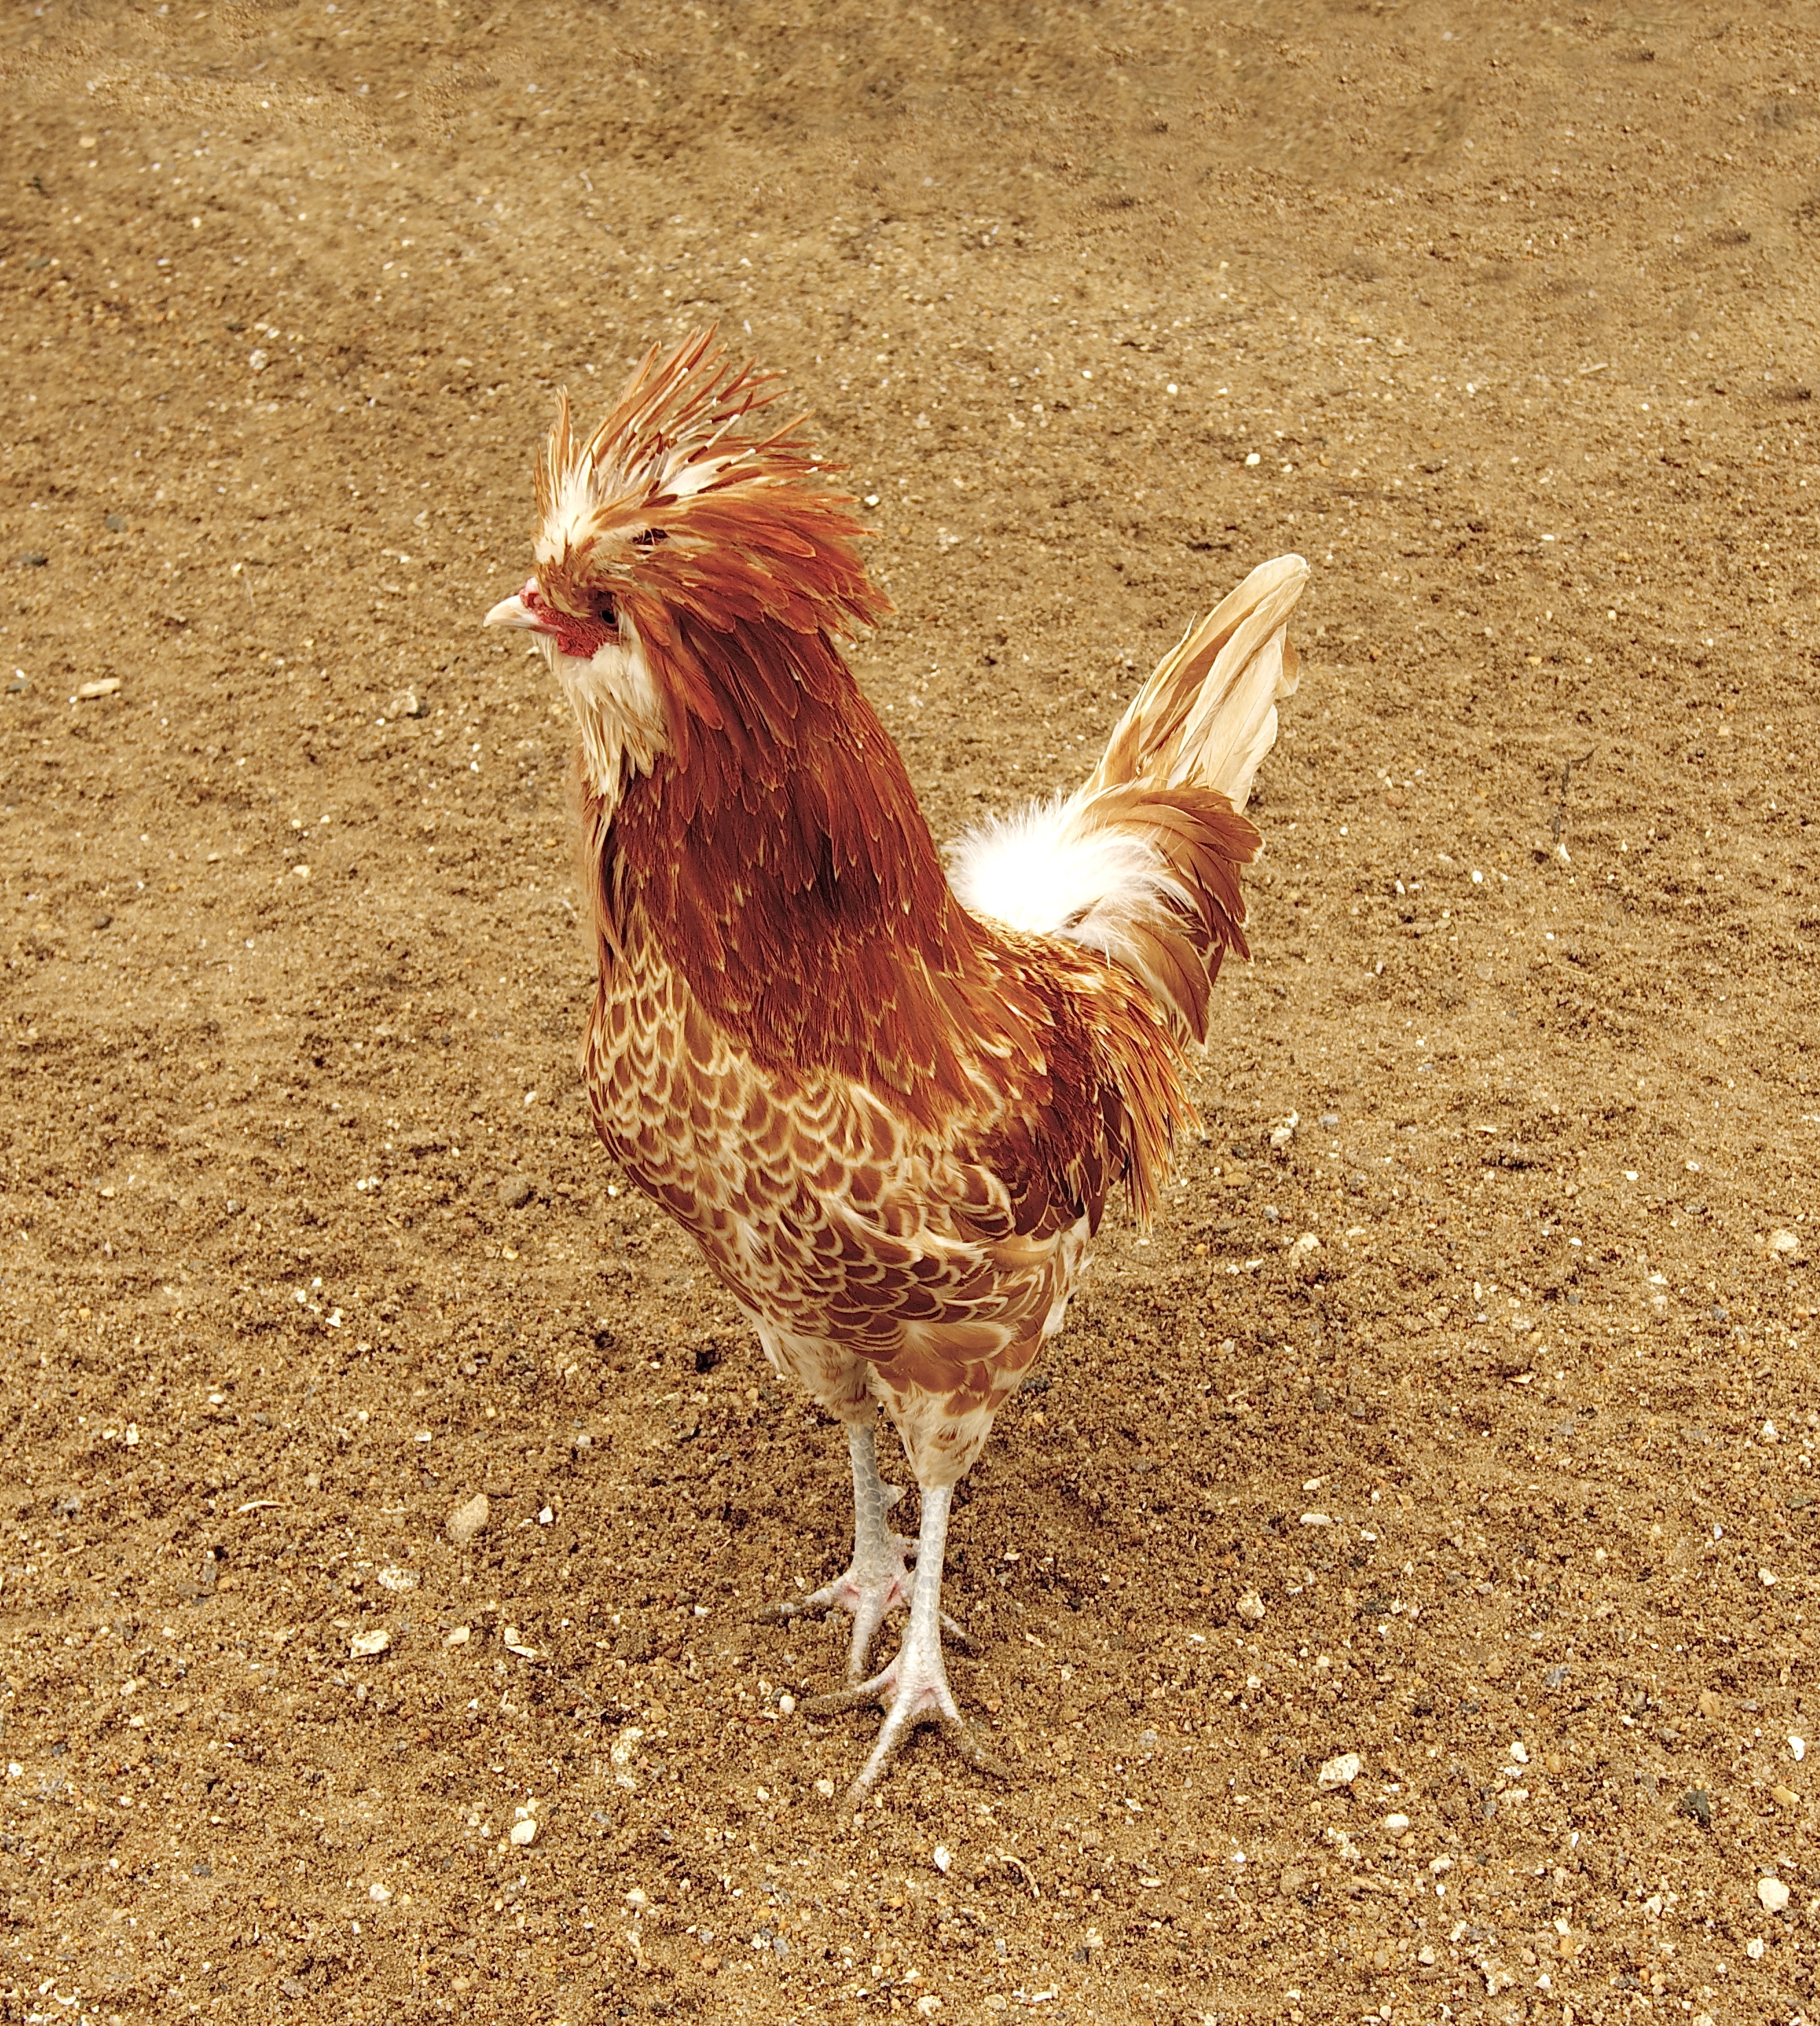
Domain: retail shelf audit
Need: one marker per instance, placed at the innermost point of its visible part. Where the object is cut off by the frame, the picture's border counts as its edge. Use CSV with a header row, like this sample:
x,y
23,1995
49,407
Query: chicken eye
x,y
605,610
648,538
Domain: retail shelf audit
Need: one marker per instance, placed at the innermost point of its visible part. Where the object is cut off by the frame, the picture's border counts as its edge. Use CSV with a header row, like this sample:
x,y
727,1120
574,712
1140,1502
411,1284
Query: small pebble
x,y
1396,1824
942,1857
639,1900
377,1892
1342,1770
1797,1749
1250,1608
459,1636
468,1519
825,1788
1773,1894
516,1642
786,1705
1519,1751
516,1191
1786,1797
364,1645
106,686
525,1833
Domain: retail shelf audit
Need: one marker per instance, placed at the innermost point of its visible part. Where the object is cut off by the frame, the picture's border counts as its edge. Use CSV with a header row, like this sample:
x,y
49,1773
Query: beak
x,y
514,611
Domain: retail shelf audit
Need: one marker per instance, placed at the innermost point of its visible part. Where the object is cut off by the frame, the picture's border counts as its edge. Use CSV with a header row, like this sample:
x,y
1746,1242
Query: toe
x,y
968,1743
860,1695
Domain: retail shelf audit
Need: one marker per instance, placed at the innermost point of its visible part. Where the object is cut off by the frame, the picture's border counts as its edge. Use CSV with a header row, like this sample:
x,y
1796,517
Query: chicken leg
x,y
876,1581
912,1689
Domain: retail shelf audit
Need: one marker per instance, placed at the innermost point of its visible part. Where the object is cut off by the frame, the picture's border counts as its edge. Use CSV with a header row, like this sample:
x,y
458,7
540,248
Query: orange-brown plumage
x,y
890,1120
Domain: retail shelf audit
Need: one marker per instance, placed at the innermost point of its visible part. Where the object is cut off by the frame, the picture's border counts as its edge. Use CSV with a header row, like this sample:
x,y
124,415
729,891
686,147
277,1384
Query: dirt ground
x,y
1503,1485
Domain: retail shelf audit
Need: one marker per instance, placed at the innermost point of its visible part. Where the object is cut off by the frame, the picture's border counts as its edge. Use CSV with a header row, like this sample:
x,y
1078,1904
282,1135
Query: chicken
x,y
887,1104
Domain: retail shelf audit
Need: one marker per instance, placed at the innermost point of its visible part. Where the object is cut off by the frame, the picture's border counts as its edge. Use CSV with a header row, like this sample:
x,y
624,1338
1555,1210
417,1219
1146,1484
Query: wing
x,y
848,1230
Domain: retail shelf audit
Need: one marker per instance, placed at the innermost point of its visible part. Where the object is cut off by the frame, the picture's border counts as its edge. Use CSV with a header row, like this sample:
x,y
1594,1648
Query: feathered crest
x,y
686,499
676,432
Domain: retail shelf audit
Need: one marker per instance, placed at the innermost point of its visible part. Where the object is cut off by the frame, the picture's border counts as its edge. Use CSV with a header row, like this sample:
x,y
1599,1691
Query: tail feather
x,y
1207,715
1141,863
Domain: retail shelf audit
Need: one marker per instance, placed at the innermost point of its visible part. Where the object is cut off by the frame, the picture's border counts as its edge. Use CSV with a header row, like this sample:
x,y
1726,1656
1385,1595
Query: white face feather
x,y
616,706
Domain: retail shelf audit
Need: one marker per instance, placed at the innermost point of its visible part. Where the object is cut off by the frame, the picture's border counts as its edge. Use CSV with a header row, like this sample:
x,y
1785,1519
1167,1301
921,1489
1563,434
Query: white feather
x,y
571,517
1045,870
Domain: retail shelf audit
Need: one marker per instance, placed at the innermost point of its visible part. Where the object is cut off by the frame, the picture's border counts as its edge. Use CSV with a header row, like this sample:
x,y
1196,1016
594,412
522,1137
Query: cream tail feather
x,y
1140,863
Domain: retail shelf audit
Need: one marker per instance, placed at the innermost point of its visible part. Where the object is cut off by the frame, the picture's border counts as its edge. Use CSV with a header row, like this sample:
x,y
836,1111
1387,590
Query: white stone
x,y
1773,1894
524,1833
468,1519
1342,1770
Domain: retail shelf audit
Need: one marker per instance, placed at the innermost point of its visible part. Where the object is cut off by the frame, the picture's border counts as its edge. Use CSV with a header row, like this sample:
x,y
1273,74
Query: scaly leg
x,y
913,1690
876,1581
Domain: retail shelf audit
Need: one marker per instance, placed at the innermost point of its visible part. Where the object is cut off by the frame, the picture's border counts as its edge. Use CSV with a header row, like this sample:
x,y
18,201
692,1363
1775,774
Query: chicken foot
x,y
876,1581
912,1690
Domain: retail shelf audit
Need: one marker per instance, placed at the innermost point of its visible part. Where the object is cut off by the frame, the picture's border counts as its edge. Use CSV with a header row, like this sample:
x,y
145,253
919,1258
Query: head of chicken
x,y
683,521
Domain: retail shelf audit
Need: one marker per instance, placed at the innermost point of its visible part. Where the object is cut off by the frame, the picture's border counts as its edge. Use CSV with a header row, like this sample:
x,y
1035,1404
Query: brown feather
x,y
890,1127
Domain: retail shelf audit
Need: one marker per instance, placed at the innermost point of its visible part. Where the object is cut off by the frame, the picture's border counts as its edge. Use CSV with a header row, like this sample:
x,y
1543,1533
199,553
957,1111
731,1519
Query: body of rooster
x,y
887,1104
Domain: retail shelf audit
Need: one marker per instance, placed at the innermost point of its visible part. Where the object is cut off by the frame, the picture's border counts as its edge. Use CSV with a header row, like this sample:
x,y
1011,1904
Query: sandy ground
x,y
1504,1484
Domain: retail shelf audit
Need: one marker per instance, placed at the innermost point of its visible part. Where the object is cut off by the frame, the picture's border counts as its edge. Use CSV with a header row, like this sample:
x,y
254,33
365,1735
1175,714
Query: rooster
x,y
887,1102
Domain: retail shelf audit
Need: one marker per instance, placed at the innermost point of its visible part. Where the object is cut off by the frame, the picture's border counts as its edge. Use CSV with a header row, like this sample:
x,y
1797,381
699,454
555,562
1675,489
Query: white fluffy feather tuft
x,y
1047,870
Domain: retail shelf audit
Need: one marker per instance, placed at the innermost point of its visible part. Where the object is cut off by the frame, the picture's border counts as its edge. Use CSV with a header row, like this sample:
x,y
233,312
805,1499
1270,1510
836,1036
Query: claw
x,y
962,1637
